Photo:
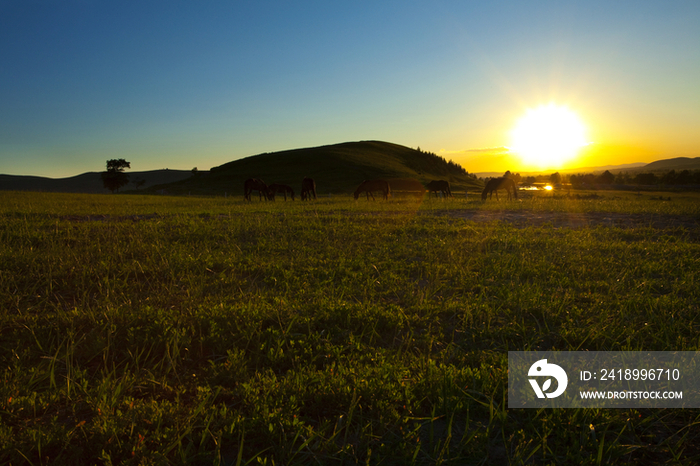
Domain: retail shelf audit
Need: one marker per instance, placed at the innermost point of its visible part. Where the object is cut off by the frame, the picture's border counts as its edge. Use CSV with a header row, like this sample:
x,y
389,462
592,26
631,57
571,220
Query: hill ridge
x,y
88,182
676,163
337,168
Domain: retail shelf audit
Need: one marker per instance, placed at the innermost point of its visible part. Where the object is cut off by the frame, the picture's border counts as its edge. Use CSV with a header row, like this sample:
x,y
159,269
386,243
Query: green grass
x,y
186,330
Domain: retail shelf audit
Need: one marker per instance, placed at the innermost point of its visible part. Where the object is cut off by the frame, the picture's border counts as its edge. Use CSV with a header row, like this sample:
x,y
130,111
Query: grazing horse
x,y
308,188
279,188
494,184
439,185
253,184
368,186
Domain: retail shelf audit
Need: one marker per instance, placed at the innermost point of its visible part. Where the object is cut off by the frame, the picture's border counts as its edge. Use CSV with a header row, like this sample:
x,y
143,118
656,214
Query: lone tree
x,y
114,178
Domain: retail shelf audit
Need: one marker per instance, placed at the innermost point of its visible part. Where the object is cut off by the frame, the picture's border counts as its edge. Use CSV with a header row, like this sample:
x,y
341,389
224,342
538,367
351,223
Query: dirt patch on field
x,y
577,220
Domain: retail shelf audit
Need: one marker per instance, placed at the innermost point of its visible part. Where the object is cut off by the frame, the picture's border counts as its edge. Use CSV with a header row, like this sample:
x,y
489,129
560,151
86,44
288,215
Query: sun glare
x,y
548,136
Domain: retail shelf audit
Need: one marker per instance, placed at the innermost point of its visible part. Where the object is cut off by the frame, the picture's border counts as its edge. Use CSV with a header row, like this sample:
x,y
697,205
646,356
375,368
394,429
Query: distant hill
x,y
665,165
90,182
601,169
337,168
596,170
678,163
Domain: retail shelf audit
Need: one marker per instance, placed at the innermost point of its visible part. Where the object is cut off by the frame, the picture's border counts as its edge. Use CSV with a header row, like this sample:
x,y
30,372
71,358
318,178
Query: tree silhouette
x,y
645,178
114,178
606,178
513,176
622,178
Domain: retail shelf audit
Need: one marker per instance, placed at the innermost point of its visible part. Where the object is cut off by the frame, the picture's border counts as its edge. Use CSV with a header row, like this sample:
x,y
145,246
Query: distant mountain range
x,y
665,165
629,167
90,182
337,168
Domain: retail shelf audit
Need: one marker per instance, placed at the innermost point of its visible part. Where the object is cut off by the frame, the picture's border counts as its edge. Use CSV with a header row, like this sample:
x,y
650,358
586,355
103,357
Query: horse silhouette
x,y
439,185
308,188
253,184
279,188
494,184
368,186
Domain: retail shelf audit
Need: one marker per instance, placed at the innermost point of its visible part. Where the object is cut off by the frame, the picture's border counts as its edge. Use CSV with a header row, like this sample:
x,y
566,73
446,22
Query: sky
x,y
178,85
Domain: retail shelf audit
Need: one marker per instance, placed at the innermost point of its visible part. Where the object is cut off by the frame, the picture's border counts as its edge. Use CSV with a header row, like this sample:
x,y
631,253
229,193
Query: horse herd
x,y
308,189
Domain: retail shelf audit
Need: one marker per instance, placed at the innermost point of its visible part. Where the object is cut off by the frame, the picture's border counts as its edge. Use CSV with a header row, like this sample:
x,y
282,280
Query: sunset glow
x,y
548,136
556,86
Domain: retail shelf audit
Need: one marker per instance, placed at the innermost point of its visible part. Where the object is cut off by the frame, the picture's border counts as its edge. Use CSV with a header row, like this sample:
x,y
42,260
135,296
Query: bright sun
x,y
548,136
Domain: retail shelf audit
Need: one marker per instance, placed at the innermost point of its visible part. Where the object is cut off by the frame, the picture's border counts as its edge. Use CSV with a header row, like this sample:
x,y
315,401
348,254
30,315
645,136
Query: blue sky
x,y
196,84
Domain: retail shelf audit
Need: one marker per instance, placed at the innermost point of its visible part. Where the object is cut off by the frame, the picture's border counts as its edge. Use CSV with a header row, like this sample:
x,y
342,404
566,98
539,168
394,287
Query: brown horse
x,y
279,188
439,185
368,186
494,184
253,184
308,188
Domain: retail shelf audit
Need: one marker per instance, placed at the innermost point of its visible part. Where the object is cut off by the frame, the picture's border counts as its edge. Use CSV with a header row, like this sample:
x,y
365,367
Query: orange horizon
x,y
594,155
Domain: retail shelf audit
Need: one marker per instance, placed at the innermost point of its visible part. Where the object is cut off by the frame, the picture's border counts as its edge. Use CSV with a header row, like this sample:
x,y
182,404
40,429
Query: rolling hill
x,y
678,163
337,168
90,182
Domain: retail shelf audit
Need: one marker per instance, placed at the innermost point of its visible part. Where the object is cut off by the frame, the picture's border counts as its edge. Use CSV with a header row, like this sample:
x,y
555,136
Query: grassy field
x,y
187,330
